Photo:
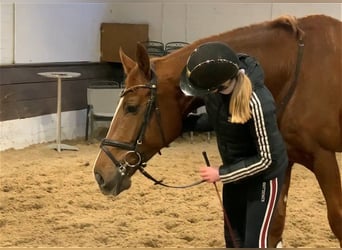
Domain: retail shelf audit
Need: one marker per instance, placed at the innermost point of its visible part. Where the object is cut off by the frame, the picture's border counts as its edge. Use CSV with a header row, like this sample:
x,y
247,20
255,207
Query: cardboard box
x,y
125,35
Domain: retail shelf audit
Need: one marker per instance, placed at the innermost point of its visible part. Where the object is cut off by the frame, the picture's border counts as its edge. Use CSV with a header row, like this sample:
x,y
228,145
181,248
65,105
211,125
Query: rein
x,y
126,167
156,182
286,99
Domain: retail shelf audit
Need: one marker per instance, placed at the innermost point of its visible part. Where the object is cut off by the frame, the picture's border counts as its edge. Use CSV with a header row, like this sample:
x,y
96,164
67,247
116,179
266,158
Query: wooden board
x,y
116,35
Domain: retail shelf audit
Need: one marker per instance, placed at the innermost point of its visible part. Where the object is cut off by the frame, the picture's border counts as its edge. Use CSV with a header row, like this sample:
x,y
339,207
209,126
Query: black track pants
x,y
249,206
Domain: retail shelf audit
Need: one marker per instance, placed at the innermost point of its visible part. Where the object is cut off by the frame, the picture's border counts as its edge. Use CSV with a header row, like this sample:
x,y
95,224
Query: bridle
x,y
132,148
127,167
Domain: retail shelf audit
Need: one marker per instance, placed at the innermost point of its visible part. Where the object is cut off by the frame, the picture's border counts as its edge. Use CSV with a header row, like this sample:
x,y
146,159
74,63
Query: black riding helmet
x,y
210,65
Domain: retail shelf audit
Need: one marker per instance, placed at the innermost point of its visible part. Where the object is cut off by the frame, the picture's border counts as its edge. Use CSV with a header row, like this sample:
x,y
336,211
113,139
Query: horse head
x,y
142,124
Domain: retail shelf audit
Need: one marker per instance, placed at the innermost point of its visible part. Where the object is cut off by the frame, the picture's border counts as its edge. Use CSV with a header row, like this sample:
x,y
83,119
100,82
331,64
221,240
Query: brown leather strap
x,y
285,101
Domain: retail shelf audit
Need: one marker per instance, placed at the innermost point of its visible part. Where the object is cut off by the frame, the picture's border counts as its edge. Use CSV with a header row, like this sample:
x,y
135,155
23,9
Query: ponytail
x,y
239,106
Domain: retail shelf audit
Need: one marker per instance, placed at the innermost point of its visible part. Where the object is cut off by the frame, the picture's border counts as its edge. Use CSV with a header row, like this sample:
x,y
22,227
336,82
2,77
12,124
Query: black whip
x,y
226,219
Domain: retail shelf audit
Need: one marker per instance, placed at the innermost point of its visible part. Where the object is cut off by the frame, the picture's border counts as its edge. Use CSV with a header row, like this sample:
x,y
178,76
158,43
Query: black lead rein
x,y
156,182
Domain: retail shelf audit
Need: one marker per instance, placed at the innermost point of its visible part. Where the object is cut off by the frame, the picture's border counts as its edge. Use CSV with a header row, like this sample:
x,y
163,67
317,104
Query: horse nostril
x,y
99,179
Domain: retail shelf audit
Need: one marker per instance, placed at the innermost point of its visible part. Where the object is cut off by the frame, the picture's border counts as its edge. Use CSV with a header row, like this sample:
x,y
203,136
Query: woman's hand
x,y
209,174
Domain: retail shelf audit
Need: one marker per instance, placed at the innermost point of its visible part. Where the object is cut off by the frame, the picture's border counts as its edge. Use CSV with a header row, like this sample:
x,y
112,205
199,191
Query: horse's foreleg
x,y
328,175
278,219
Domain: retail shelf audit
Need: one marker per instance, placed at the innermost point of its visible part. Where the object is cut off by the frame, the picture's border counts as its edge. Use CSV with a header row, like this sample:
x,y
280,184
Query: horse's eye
x,y
133,109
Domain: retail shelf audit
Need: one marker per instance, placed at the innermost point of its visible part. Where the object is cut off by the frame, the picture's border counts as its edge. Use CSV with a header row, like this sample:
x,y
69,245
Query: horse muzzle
x,y
118,179
115,185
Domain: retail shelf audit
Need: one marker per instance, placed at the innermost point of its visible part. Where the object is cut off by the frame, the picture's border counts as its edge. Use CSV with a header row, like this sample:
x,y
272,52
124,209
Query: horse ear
x,y
126,61
143,60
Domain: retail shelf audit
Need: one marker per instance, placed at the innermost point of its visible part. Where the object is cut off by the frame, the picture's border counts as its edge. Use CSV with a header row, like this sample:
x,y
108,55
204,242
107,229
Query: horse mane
x,y
290,23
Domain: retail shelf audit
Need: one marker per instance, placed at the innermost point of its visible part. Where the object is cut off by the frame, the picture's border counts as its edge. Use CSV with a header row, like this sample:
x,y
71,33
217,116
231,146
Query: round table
x,y
59,76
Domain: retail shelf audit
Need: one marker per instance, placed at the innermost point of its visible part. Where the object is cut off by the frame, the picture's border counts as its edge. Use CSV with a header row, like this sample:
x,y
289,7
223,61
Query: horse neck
x,y
173,64
169,69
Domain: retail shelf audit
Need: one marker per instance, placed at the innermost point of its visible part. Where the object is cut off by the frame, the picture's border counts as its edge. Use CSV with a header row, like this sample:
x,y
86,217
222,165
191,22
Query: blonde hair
x,y
239,106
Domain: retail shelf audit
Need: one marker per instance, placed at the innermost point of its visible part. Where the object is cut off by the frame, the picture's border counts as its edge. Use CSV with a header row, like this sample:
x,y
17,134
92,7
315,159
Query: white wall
x,y
58,32
51,32
69,30
6,33
24,132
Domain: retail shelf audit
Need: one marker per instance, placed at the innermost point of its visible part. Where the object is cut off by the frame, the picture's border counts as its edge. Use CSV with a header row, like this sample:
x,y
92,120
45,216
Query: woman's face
x,y
226,87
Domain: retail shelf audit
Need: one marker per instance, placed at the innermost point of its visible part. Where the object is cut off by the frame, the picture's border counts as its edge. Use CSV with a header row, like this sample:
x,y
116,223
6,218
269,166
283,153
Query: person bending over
x,y
241,111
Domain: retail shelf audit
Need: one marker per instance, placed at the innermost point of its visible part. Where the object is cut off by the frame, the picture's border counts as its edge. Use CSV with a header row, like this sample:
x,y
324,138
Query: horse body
x,y
310,120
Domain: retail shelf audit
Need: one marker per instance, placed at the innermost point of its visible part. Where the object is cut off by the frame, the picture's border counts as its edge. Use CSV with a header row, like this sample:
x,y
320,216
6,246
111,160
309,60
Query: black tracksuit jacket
x,y
256,148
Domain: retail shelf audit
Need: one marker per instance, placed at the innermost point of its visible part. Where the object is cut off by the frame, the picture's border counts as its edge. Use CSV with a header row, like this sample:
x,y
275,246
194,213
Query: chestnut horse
x,y
302,60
